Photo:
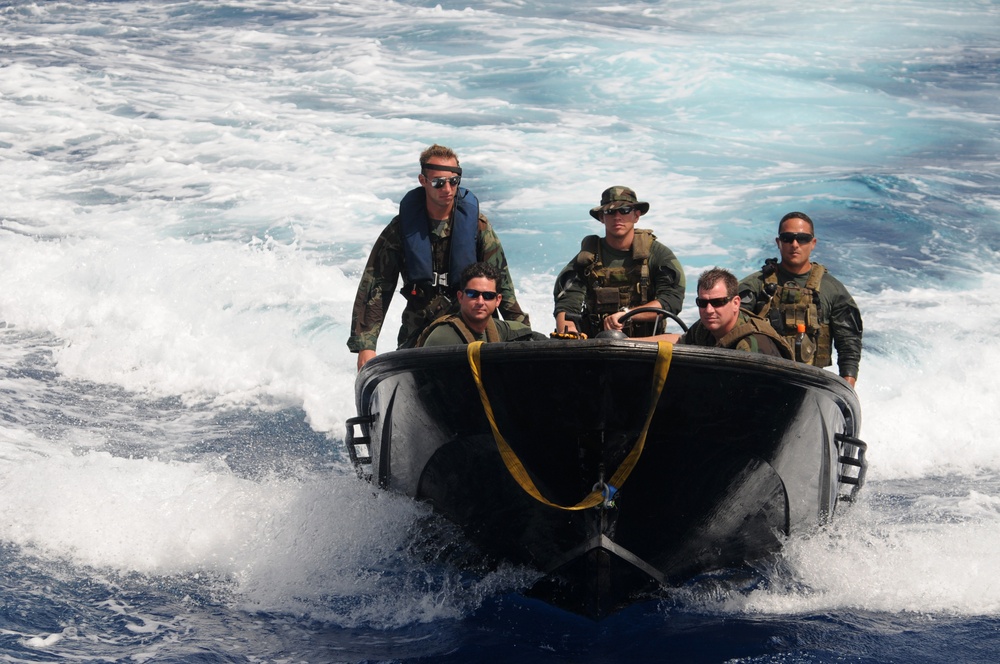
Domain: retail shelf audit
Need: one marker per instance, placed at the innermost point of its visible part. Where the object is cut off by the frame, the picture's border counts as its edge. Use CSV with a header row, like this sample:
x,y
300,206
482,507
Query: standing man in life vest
x,y
625,269
805,303
722,324
438,232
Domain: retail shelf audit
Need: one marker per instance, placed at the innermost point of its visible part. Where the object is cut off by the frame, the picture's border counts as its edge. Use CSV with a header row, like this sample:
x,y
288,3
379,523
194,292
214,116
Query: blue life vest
x,y
418,261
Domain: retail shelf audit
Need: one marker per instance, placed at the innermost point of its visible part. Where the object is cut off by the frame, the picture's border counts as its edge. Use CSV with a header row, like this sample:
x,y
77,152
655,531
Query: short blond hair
x,y
436,152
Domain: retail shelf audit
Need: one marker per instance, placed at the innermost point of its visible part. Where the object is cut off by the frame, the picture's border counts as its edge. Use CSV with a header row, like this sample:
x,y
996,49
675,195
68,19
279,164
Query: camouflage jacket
x,y
381,278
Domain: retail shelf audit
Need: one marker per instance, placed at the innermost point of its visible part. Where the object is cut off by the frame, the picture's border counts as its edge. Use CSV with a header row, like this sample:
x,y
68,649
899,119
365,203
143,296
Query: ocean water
x,y
190,190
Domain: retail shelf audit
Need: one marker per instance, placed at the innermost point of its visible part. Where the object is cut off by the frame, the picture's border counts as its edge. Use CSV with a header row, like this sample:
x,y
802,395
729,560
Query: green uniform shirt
x,y
445,335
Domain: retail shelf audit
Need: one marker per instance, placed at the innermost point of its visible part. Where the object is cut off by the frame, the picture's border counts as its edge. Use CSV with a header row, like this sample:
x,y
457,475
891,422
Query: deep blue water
x,y
191,190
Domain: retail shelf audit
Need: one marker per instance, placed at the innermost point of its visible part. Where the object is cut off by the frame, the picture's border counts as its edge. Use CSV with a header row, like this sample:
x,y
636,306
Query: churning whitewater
x,y
191,190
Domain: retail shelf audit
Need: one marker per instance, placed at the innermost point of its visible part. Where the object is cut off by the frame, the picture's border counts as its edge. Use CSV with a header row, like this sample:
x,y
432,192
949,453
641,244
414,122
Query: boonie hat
x,y
616,197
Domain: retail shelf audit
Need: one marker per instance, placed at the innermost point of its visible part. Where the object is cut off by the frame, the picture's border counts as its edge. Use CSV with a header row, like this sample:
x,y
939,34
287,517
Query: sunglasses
x,y
472,294
625,209
801,238
437,183
716,302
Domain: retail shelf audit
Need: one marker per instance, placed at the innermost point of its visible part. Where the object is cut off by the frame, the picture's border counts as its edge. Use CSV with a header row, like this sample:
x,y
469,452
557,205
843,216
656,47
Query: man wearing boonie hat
x,y
625,269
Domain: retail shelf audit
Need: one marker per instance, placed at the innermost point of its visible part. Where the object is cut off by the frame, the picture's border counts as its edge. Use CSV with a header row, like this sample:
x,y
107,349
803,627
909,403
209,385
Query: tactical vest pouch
x,y
616,276
797,307
791,294
824,343
607,300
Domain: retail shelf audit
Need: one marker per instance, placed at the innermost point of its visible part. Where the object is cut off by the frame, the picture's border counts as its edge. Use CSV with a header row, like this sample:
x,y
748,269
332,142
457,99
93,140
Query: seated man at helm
x,y
722,324
627,268
478,299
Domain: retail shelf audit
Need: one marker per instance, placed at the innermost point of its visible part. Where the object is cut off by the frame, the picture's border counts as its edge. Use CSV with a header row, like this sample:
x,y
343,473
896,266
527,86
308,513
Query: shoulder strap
x,y
589,258
590,247
491,331
737,333
642,243
815,276
438,322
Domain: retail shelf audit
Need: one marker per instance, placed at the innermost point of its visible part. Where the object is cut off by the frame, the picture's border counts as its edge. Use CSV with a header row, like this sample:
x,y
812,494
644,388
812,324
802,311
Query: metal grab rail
x,y
852,453
359,447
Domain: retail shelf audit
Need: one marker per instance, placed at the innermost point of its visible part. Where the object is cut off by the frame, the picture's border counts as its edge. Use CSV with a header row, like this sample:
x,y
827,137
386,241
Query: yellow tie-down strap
x,y
596,497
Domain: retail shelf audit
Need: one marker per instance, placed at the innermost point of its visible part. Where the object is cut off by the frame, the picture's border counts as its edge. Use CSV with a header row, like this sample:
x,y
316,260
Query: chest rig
x,y
612,289
794,311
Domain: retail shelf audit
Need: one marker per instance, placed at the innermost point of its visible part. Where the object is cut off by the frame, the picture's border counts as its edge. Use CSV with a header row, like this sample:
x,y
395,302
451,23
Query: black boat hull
x,y
741,450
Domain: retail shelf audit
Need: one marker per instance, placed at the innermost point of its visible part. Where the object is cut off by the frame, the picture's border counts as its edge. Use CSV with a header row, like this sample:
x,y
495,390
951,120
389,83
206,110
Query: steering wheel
x,y
660,315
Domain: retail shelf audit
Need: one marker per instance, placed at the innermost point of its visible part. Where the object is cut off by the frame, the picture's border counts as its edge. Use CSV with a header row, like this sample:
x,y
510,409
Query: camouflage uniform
x,y
381,277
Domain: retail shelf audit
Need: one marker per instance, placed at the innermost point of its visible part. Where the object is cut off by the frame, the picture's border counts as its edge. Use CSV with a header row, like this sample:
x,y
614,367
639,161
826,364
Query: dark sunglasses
x,y
716,302
472,294
625,209
801,238
437,183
